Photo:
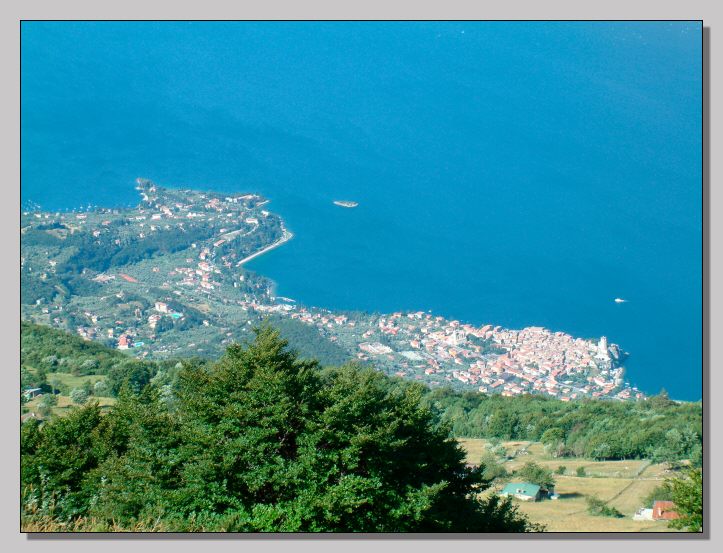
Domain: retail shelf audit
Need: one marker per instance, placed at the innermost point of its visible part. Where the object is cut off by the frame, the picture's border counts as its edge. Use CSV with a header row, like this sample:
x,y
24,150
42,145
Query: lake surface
x,y
513,173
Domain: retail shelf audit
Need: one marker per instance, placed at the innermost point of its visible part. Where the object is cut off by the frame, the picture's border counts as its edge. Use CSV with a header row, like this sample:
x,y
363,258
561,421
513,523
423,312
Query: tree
x,y
554,441
100,388
562,469
696,456
671,450
491,468
134,374
51,361
687,494
56,457
79,396
48,400
662,400
263,441
55,385
536,474
495,446
89,366
660,493
164,324
580,471
503,424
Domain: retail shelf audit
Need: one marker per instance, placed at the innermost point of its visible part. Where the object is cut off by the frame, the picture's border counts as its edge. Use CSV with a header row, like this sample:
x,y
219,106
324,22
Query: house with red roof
x,y
124,342
664,510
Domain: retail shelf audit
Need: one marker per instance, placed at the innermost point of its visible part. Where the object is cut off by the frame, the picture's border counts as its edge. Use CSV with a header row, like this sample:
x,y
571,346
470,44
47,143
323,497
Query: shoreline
x,y
288,235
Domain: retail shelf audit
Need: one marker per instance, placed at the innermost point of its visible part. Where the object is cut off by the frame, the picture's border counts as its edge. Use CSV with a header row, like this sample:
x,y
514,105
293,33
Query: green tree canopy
x,y
263,441
491,468
79,396
687,494
536,474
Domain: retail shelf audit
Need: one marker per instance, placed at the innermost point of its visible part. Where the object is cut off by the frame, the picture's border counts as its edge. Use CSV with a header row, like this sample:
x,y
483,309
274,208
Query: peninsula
x,y
167,279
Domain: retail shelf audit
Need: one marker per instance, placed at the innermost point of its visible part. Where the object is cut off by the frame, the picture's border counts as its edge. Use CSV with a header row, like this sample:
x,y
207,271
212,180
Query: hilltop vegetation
x,y
179,444
49,356
259,441
42,346
656,428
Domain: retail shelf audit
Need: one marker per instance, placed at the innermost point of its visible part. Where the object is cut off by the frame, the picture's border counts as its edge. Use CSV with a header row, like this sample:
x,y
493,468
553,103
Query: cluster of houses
x,y
164,209
489,358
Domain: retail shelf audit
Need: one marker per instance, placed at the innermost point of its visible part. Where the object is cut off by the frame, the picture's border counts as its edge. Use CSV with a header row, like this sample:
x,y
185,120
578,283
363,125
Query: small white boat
x,y
620,300
343,203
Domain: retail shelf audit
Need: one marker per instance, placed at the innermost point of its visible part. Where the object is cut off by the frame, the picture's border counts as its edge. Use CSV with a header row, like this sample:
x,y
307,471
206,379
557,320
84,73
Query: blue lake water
x,y
513,173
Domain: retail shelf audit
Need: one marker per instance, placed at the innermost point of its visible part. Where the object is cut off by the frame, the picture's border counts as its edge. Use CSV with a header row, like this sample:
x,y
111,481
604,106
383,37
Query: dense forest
x,y
656,428
307,341
258,441
101,253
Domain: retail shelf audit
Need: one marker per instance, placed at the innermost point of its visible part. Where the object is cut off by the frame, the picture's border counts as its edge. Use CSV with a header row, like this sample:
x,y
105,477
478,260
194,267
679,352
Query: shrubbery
x,y
686,491
54,350
79,396
597,507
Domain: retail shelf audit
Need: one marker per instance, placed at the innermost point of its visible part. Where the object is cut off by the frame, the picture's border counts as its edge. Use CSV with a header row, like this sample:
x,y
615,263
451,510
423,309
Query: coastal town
x,y
168,278
487,358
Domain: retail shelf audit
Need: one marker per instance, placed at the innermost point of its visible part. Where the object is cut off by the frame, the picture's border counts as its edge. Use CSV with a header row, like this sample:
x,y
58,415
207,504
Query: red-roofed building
x,y
124,342
664,510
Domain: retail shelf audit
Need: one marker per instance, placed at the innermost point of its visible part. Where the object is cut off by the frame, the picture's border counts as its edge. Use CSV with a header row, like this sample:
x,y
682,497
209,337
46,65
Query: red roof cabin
x,y
664,510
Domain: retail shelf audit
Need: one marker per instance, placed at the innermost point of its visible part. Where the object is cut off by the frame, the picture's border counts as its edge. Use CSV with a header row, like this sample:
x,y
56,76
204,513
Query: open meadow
x,y
621,484
66,382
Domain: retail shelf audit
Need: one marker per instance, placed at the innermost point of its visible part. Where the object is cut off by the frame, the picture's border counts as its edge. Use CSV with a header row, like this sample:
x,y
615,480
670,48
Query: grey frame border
x,y
706,384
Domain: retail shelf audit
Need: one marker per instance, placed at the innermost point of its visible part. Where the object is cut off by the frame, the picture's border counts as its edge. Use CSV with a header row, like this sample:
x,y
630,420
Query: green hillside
x,y
259,441
263,439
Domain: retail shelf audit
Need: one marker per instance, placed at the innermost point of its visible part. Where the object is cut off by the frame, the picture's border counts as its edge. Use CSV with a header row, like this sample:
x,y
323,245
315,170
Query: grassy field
x,y
622,484
68,382
65,404
72,381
